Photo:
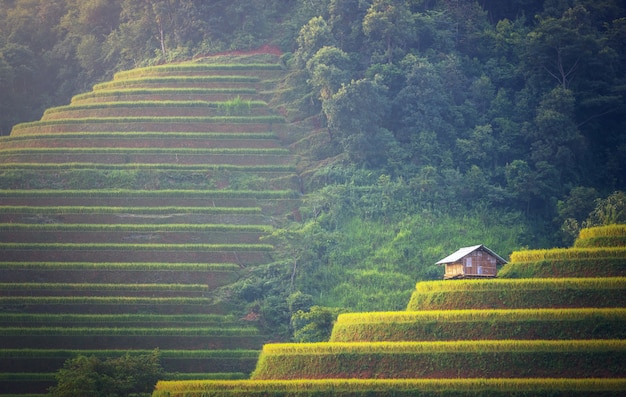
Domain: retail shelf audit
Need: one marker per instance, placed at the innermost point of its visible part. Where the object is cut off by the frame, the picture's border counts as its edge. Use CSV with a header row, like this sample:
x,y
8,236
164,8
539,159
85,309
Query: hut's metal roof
x,y
463,252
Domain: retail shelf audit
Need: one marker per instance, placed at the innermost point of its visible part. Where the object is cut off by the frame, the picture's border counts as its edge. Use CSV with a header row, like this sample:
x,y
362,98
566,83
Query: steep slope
x,y
502,337
124,214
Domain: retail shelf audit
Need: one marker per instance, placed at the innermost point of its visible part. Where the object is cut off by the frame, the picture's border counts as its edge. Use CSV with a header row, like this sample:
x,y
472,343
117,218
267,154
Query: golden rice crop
x,y
617,230
194,67
163,91
384,385
481,315
125,227
176,80
567,254
102,287
26,209
259,194
445,347
146,104
120,266
612,283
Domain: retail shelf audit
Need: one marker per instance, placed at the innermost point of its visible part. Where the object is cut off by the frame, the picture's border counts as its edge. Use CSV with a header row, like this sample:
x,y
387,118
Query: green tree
x,y
391,23
329,69
313,36
314,325
121,376
559,47
355,115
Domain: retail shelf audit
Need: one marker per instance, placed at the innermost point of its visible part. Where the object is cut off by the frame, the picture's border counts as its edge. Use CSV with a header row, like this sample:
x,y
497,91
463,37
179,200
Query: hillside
x,y
129,217
501,337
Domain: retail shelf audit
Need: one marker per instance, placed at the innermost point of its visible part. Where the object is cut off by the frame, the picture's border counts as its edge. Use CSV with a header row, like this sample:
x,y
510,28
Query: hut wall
x,y
453,270
479,263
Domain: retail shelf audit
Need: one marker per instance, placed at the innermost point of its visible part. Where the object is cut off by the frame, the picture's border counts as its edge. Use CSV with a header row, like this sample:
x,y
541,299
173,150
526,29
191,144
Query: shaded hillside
x,y
127,216
535,336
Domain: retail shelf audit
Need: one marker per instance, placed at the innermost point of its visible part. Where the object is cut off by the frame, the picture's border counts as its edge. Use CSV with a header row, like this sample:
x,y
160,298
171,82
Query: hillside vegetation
x,y
535,336
371,138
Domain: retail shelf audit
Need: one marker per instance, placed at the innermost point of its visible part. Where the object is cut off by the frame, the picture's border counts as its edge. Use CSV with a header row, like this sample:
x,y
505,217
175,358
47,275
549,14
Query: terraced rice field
x,y
539,336
125,214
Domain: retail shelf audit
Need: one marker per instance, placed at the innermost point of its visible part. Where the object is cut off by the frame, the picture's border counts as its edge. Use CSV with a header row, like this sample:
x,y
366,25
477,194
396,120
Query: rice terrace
x,y
125,214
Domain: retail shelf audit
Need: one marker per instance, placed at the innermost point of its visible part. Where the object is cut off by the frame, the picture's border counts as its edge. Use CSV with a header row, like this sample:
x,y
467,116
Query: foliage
x,y
110,377
314,325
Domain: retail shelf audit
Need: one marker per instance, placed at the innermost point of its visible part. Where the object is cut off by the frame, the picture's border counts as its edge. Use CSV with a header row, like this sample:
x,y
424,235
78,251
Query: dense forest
x,y
438,123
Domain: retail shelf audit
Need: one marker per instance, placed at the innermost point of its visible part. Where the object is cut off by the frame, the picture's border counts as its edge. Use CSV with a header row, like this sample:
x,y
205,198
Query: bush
x,y
122,376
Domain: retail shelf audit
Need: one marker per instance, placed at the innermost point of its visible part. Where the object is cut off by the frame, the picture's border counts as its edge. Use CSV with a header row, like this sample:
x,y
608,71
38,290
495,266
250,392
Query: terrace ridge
x,y
96,206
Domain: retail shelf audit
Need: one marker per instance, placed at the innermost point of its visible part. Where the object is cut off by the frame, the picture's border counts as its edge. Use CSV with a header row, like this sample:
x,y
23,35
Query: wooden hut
x,y
476,261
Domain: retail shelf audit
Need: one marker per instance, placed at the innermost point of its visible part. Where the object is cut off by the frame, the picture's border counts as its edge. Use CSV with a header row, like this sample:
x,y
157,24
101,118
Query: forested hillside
x,y
423,125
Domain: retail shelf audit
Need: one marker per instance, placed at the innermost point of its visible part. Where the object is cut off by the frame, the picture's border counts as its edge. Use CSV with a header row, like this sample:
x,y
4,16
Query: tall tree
x,y
391,23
